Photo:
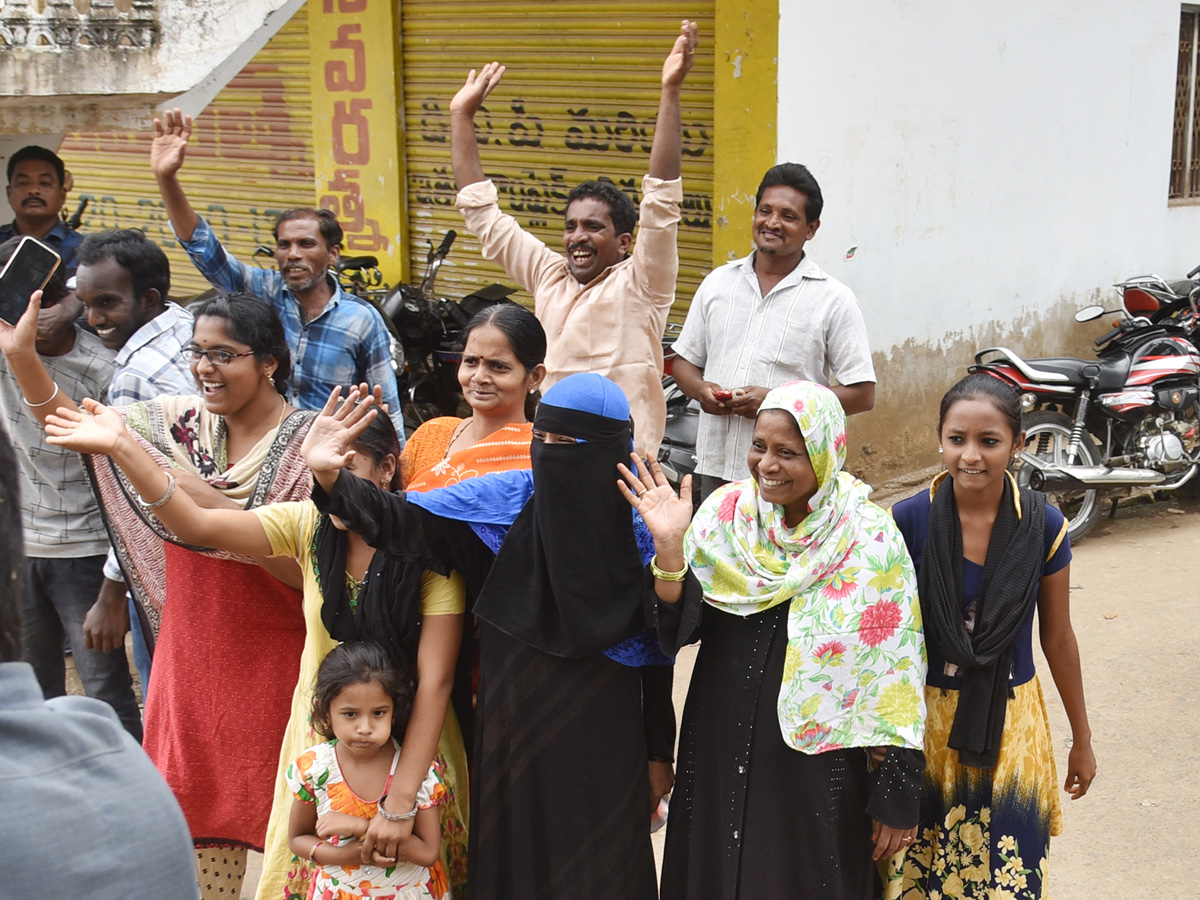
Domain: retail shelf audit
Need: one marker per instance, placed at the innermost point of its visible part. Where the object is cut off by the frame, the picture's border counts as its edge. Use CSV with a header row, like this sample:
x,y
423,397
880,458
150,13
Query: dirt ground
x,y
1135,605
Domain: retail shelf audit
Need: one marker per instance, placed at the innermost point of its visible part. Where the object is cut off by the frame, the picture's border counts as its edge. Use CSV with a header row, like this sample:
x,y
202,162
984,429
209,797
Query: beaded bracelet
x,y
666,576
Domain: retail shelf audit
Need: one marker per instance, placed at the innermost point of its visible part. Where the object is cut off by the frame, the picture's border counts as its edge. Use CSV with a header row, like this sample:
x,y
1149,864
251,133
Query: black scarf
x,y
569,578
1011,573
389,603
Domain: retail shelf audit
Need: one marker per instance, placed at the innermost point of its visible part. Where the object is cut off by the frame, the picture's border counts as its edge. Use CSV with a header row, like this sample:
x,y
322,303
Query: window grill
x,y
1185,144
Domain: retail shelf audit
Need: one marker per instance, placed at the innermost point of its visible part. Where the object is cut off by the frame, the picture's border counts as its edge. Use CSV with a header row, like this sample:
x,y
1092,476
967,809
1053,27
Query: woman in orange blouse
x,y
502,366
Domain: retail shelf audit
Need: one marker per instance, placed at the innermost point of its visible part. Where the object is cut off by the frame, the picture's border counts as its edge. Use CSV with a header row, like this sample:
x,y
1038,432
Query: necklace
x,y
458,432
282,410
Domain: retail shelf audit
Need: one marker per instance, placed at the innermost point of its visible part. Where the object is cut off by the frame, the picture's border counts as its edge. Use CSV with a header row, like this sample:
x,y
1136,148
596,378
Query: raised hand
x,y
328,446
666,513
476,89
169,147
94,429
23,335
683,54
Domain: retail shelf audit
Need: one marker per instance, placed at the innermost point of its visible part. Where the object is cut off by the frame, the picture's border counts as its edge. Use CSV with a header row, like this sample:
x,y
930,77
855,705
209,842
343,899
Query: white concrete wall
x,y
997,166
987,159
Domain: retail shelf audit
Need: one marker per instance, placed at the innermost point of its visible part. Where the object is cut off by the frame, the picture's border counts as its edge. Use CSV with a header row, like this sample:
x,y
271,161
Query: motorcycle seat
x,y
1063,371
1078,372
356,263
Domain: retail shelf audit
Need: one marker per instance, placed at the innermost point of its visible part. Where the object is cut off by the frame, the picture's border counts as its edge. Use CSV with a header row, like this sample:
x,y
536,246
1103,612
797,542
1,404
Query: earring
x,y
271,378
533,390
939,449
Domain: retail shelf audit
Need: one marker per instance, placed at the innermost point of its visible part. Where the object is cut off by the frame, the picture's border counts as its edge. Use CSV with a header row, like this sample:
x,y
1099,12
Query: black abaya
x,y
750,816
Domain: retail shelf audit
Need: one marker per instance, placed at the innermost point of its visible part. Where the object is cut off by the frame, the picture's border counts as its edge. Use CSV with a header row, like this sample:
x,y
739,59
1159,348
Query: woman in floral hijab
x,y
812,655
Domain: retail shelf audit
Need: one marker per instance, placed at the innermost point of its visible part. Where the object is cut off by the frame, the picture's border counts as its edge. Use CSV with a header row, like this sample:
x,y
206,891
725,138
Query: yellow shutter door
x,y
249,159
578,101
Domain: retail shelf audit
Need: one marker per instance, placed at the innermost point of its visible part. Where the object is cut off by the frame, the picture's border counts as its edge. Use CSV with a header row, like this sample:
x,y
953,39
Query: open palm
x,y
666,513
328,446
94,429
476,88
683,54
169,147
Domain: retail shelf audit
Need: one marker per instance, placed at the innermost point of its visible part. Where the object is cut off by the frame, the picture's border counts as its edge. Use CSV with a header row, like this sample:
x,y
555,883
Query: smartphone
x,y
723,396
27,270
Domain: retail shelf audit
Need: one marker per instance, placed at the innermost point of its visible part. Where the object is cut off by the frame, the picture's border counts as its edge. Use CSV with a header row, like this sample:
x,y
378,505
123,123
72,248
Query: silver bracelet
x,y
396,817
161,501
44,402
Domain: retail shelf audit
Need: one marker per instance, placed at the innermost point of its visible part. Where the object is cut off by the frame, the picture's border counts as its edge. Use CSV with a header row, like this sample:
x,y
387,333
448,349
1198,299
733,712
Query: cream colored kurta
x,y
612,326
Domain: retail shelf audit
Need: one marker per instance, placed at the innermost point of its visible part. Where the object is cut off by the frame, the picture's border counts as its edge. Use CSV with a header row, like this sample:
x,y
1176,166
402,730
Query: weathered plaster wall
x,y
106,64
994,165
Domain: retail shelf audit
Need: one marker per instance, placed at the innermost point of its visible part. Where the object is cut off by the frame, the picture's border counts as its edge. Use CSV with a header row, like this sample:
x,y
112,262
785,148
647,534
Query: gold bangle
x,y
666,576
312,854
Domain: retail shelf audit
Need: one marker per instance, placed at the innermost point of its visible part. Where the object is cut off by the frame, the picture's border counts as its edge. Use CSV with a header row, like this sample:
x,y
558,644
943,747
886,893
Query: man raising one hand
x,y
336,339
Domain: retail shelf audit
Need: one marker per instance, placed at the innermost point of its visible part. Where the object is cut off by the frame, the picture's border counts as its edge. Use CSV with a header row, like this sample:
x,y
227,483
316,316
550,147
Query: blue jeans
x,y
141,653
58,594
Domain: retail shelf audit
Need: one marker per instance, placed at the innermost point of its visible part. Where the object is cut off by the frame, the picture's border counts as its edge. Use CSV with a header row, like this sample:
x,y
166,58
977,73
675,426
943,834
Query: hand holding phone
x,y
27,270
723,395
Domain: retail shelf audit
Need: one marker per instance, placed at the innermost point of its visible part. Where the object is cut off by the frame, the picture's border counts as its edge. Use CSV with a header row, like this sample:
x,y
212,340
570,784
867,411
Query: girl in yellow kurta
x,y
417,614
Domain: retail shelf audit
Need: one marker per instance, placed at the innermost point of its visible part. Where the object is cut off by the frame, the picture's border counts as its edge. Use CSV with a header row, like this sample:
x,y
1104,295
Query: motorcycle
x,y
1165,302
1130,418
425,331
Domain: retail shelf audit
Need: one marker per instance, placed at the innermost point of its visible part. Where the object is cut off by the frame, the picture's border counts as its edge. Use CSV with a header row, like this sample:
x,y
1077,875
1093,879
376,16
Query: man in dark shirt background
x,y
37,189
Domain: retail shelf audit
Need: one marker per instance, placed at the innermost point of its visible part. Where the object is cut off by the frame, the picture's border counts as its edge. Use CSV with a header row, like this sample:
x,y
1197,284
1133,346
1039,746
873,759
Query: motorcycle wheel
x,y
1048,436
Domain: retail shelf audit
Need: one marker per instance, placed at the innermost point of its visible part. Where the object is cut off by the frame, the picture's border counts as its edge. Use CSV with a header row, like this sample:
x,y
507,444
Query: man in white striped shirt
x,y
774,316
123,281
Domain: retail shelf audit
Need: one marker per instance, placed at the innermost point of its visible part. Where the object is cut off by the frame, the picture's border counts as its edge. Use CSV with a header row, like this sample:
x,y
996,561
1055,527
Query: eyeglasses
x,y
215,357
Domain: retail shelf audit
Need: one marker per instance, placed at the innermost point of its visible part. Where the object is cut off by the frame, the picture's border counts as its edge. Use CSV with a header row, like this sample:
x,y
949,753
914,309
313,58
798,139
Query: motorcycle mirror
x,y
1088,313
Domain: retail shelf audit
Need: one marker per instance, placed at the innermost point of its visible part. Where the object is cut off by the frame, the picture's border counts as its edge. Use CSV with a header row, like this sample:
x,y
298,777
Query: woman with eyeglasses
x,y
230,629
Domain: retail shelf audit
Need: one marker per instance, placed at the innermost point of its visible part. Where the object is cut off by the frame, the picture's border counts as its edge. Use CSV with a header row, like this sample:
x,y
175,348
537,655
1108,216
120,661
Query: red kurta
x,y
225,666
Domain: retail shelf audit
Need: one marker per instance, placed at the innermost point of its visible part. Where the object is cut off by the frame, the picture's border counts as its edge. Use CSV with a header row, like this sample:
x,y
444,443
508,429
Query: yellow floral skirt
x,y
984,833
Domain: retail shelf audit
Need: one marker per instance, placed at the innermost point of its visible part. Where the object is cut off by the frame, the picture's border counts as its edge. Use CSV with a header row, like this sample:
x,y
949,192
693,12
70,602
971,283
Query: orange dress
x,y
424,464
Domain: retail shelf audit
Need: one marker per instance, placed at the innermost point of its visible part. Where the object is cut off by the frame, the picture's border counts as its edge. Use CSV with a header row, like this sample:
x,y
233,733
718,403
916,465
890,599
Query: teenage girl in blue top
x,y
988,553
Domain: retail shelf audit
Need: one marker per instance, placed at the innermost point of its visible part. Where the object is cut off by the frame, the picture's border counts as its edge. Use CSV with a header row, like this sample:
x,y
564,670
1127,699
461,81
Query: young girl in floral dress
x,y
359,703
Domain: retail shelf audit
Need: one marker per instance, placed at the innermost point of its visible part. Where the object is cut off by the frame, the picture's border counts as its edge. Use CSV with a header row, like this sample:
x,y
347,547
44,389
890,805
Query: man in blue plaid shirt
x,y
336,339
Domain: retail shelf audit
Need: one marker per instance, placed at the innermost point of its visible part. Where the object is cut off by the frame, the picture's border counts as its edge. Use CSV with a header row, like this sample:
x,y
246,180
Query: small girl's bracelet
x,y
397,817
312,854
666,576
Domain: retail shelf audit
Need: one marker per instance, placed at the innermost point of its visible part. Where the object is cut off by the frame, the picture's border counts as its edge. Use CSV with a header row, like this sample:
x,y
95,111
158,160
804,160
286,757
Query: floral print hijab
x,y
854,672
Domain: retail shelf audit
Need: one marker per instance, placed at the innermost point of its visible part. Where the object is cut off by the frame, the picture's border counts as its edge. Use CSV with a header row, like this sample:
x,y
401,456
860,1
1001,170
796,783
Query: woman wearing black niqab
x,y
574,696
